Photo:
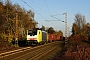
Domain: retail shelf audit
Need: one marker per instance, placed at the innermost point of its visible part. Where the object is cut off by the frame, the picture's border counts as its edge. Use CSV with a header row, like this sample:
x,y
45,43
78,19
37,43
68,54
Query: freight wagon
x,y
53,37
58,37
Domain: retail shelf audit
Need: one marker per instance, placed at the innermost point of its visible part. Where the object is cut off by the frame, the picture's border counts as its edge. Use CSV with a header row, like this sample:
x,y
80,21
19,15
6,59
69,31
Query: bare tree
x,y
79,23
80,20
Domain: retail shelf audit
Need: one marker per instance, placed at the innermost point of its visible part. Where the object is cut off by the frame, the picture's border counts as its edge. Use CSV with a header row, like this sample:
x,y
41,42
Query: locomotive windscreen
x,y
32,32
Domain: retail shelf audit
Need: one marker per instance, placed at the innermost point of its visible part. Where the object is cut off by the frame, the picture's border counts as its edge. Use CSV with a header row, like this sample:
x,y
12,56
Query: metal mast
x,y
65,26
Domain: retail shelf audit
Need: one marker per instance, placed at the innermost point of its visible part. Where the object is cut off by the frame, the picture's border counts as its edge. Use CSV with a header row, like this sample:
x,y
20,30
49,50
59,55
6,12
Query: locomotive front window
x,y
32,32
29,32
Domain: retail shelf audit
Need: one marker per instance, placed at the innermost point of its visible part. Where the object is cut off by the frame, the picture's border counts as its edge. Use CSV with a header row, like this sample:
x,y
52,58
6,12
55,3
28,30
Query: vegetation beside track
x,y
74,51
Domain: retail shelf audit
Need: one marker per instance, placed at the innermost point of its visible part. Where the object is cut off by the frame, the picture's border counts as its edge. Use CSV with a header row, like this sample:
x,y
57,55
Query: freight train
x,y
38,36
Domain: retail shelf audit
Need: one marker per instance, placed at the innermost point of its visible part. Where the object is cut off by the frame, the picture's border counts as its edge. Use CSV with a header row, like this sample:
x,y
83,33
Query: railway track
x,y
13,52
42,54
29,53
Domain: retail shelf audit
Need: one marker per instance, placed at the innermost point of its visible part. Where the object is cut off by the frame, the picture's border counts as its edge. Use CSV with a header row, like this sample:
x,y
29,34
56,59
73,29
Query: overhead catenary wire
x,y
57,14
57,18
43,10
39,7
47,7
51,15
33,8
53,23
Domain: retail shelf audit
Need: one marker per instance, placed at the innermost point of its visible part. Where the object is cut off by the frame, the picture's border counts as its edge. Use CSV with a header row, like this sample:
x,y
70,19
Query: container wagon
x,y
51,37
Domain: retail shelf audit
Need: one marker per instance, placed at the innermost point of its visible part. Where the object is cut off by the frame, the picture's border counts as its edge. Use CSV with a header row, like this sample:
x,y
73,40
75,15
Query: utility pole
x,y
16,31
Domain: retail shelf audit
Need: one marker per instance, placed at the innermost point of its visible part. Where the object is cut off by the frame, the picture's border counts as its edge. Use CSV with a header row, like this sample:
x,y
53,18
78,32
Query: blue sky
x,y
43,10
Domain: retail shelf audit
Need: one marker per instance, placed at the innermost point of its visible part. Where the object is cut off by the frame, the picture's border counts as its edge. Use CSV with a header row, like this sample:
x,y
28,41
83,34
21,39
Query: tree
x,y
80,20
30,13
8,19
1,15
87,31
51,30
80,29
75,29
79,24
43,27
59,33
26,18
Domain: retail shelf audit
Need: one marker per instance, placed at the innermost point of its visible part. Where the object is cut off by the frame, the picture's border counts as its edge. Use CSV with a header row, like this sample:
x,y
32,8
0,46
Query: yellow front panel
x,y
39,36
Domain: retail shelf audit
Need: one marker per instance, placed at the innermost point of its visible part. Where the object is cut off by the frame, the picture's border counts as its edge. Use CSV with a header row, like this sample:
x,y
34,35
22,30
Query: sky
x,y
44,9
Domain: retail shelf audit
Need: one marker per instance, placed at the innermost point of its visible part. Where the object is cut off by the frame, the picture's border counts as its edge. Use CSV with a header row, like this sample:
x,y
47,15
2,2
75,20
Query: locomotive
x,y
38,36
